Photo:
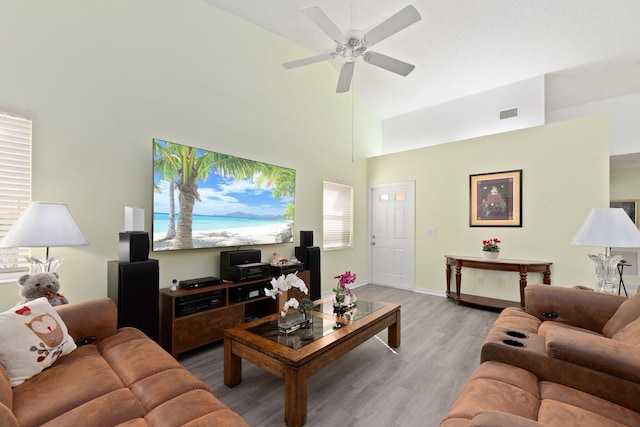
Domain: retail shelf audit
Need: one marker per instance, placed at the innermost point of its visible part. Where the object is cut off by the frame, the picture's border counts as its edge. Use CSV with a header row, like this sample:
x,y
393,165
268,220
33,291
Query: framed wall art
x,y
496,199
630,207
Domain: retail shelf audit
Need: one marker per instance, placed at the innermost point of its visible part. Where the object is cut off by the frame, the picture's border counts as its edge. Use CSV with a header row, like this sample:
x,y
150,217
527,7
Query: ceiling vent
x,y
509,113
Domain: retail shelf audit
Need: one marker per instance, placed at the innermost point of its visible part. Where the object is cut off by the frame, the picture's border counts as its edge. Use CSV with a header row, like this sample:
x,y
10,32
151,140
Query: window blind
x,y
15,188
337,218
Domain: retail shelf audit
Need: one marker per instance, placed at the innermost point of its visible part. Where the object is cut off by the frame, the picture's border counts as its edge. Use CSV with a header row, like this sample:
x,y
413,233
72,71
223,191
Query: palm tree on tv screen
x,y
168,171
184,166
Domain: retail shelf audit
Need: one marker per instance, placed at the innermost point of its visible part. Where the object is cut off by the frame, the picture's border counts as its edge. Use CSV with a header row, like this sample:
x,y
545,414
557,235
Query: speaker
x,y
311,258
134,286
134,246
301,255
306,238
313,265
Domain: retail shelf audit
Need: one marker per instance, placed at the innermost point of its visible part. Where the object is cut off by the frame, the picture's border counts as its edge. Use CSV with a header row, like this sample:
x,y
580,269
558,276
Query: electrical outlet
x,y
501,282
480,280
432,231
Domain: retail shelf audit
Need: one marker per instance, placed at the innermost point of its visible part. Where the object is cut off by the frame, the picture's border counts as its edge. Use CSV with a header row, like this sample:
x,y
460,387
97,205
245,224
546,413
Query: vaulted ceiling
x,y
589,48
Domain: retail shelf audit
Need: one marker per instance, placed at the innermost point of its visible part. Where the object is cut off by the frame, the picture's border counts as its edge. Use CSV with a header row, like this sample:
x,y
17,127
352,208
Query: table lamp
x,y
608,227
44,224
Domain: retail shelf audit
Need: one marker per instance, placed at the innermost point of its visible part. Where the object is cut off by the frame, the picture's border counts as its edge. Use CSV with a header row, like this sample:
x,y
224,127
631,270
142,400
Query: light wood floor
x,y
371,385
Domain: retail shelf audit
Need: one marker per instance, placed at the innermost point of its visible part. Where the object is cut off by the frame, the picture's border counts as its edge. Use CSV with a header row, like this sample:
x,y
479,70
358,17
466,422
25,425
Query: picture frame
x,y
630,206
495,199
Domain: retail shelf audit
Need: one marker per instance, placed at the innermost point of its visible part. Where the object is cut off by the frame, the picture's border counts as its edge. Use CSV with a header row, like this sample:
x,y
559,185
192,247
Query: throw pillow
x,y
33,337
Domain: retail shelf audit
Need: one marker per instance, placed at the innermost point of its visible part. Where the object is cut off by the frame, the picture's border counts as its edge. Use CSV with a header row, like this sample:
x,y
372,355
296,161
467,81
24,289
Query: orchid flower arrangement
x,y
284,283
491,245
342,290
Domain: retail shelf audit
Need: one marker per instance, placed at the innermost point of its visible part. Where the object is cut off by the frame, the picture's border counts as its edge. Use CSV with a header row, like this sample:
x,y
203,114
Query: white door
x,y
392,235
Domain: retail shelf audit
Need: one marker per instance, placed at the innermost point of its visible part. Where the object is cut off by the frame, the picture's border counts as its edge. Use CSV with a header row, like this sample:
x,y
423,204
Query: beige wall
x,y
565,173
102,79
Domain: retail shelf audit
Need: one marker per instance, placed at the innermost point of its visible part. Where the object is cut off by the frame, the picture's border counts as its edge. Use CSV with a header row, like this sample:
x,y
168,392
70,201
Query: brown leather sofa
x,y
570,358
122,379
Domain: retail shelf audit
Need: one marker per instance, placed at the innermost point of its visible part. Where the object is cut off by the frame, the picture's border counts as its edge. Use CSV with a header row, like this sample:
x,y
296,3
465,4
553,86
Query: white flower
x,y
284,283
293,281
271,292
292,303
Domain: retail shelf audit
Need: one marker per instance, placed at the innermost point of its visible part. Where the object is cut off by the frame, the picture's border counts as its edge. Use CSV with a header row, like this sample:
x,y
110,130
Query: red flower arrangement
x,y
491,245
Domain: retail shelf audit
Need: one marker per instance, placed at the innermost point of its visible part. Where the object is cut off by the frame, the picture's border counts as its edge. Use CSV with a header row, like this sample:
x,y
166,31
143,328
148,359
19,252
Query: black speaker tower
x,y
134,246
134,286
310,256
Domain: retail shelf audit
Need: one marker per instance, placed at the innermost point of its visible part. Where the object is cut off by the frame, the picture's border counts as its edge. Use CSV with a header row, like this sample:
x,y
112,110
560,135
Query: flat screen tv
x,y
205,199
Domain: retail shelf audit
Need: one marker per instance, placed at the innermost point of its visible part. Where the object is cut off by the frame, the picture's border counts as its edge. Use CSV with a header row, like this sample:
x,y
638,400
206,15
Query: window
x,y
337,216
15,188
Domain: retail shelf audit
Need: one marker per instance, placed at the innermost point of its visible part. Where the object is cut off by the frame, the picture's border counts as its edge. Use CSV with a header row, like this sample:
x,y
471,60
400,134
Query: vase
x,y
291,322
491,255
308,317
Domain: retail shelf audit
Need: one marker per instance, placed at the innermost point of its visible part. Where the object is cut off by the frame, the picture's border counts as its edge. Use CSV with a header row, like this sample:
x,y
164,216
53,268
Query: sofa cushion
x,y
496,386
73,381
121,405
204,411
545,327
564,406
127,353
629,334
626,313
502,395
33,337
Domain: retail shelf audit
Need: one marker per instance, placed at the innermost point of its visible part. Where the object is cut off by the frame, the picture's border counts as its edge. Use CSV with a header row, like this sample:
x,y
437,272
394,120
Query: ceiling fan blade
x,y
324,23
344,80
309,60
388,63
401,20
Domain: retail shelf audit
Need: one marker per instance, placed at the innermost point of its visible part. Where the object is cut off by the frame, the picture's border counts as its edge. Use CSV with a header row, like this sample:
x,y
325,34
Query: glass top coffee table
x,y
297,355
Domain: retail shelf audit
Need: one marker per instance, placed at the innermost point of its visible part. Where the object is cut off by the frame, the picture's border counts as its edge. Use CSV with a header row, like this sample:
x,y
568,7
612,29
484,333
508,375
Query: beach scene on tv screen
x,y
205,199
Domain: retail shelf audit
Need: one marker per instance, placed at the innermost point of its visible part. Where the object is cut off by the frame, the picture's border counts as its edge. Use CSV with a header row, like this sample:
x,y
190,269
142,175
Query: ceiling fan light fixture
x,y
354,43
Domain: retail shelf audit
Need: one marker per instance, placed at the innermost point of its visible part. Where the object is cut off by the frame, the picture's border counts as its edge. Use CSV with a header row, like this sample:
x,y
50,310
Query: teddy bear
x,y
33,286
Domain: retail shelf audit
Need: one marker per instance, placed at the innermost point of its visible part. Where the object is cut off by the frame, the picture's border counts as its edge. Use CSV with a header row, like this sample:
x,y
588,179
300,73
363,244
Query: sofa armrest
x,y
502,419
599,353
97,318
576,307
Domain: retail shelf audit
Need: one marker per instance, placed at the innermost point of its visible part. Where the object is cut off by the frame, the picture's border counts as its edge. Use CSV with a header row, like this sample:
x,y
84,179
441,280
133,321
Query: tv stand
x,y
180,333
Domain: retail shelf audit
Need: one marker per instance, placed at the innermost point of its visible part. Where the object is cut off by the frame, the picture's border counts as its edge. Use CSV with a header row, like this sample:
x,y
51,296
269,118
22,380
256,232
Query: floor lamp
x,y
611,228
44,225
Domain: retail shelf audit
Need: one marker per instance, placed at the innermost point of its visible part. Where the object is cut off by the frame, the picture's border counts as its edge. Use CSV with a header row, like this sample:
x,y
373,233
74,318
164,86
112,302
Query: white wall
x,y
624,113
625,185
468,117
102,79
565,174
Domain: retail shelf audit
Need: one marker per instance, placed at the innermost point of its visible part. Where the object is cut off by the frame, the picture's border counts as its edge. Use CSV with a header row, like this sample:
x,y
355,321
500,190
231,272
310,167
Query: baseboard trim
x,y
430,292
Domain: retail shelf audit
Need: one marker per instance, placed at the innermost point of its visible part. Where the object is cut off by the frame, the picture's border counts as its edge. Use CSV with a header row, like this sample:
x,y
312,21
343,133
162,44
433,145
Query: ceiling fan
x,y
355,43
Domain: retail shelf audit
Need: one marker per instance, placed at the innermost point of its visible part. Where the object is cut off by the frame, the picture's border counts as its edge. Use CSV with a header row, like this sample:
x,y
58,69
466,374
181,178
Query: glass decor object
x,y
44,225
606,268
291,322
610,228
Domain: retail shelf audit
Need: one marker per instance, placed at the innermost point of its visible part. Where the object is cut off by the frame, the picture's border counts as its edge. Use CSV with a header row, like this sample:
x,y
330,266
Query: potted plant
x,y
490,248
342,291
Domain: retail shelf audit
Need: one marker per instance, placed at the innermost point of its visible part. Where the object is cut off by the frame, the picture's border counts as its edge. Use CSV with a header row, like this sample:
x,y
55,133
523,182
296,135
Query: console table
x,y
520,266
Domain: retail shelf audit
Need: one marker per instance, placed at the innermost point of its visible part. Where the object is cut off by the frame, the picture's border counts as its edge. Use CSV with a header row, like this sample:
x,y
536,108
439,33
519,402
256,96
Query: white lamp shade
x,y
608,227
44,224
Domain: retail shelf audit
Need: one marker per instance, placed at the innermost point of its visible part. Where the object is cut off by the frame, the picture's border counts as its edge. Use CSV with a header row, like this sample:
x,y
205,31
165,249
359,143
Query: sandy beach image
x,y
243,236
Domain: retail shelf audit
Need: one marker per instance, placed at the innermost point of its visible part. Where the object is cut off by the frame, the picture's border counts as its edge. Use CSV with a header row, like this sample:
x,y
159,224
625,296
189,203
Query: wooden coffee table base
x,y
295,366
